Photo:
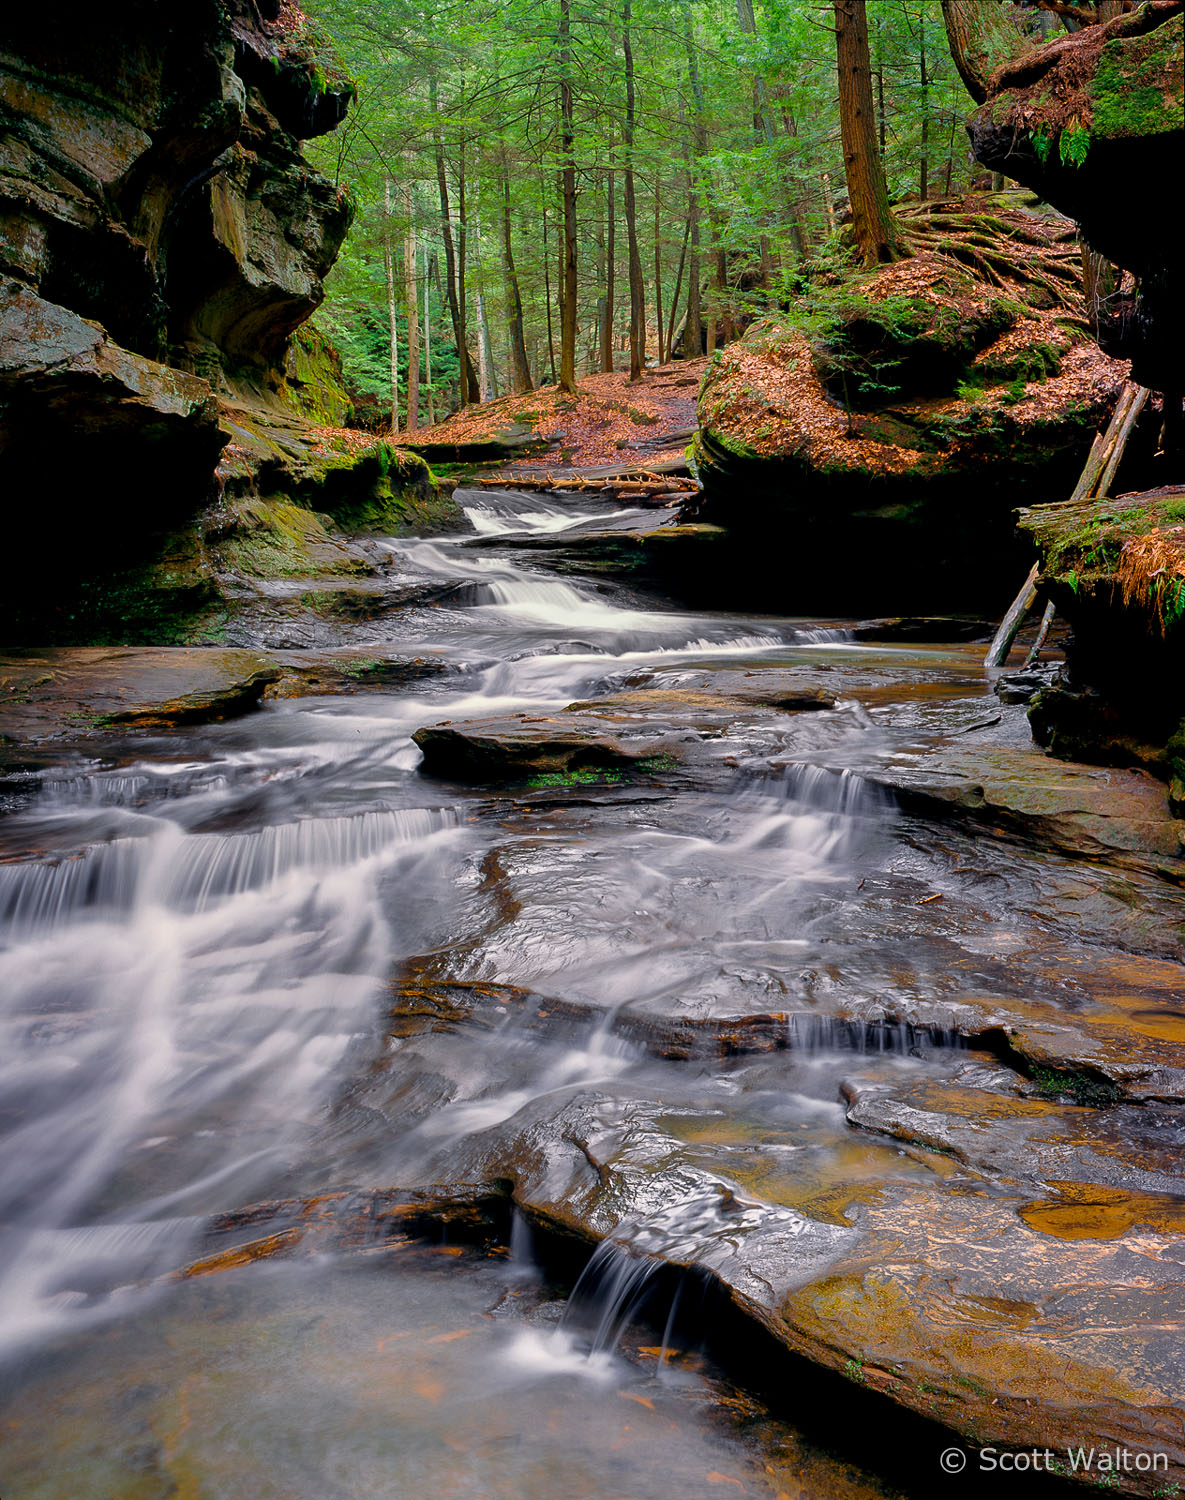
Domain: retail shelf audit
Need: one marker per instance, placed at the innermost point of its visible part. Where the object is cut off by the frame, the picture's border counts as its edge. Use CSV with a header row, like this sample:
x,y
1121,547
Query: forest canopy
x,y
603,184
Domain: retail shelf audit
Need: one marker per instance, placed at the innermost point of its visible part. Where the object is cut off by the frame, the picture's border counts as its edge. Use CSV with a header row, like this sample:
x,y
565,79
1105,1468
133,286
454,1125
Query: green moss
x,y
315,381
730,444
1096,1093
274,538
581,776
1136,89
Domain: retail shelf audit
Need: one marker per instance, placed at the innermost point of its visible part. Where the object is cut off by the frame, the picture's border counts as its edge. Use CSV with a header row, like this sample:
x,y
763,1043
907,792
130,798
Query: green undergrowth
x,y
1081,1088
652,765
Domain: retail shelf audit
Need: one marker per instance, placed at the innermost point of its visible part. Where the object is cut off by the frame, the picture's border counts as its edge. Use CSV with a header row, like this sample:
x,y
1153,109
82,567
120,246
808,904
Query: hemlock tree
x,y
872,223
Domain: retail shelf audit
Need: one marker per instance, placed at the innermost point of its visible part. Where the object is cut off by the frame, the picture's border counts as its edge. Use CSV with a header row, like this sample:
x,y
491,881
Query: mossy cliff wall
x,y
161,238
1094,122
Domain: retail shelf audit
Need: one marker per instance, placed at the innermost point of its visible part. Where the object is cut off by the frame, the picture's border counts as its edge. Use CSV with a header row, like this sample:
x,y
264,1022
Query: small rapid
x,y
197,939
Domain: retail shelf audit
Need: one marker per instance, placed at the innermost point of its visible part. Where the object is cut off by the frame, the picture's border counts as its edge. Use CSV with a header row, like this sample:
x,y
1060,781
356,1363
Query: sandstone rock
x,y
1093,122
162,238
647,730
907,493
65,693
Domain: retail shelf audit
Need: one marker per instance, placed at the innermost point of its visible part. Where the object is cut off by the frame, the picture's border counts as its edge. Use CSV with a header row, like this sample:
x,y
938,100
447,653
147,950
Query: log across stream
x,y
783,983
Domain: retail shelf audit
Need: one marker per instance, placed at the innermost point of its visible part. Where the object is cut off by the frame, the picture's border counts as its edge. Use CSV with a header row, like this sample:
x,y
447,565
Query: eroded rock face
x,y
1093,122
1115,568
897,443
160,239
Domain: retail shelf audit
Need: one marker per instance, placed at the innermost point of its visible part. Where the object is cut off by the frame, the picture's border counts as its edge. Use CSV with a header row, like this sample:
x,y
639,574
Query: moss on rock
x,y
894,420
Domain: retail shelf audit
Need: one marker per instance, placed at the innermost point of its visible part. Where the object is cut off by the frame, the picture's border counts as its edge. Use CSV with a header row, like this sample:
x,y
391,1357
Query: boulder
x,y
1093,123
891,428
1115,569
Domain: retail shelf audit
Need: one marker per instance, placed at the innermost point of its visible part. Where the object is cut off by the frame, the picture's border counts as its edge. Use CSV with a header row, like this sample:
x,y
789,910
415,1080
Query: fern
x,y
1073,145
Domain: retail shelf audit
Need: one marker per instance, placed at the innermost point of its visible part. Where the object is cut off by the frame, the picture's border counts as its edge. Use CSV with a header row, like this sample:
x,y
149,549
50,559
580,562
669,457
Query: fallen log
x,y
1098,472
1002,640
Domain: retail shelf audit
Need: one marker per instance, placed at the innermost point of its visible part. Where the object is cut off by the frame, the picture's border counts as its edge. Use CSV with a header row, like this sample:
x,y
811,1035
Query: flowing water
x,y
199,935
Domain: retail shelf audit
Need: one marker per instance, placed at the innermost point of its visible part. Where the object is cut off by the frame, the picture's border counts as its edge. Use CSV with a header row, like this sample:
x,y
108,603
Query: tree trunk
x,y
637,285
867,191
392,324
693,329
547,296
568,191
467,379
1002,641
485,362
828,202
428,391
520,370
763,127
462,292
411,300
675,298
605,335
798,230
924,163
658,266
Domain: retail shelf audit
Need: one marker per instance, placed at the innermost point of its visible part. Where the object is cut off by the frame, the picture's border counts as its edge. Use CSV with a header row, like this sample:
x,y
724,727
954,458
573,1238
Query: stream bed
x,y
823,1050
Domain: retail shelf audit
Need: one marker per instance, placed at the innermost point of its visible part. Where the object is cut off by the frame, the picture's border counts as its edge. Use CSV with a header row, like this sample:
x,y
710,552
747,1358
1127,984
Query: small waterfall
x,y
618,1281
40,896
817,1036
175,1010
97,791
497,516
612,1288
822,635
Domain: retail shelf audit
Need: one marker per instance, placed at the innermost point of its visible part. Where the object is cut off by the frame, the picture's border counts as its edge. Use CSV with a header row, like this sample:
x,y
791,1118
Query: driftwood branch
x,y
1002,640
1094,483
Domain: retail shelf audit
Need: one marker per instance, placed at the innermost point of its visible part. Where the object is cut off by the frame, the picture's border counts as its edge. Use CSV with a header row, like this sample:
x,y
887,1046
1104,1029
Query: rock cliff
x,y
891,422
161,239
1094,123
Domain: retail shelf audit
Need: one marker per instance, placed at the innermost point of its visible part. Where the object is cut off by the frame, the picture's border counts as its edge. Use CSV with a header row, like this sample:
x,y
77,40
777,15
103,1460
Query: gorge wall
x,y
161,238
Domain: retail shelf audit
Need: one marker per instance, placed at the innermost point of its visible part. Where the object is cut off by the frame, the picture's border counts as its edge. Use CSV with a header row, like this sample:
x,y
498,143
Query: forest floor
x,y
608,421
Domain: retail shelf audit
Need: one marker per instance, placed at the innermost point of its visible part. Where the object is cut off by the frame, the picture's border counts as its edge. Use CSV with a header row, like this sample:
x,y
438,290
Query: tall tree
x,y
637,286
568,311
868,193
605,336
520,368
392,323
468,377
411,306
693,330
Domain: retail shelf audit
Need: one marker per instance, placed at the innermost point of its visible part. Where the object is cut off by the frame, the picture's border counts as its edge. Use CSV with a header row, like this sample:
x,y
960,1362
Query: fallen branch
x,y
1101,466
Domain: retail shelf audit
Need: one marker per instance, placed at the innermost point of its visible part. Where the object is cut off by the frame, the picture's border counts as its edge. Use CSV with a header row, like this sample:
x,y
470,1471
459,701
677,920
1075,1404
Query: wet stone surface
x,y
769,967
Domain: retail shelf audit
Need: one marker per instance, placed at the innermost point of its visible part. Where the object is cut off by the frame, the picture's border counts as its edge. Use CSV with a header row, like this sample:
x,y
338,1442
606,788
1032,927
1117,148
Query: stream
x,y
270,961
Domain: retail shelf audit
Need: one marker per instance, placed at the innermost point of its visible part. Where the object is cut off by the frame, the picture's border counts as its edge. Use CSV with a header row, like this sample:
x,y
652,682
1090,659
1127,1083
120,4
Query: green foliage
x,y
1095,1093
484,80
1073,144
580,776
854,1371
